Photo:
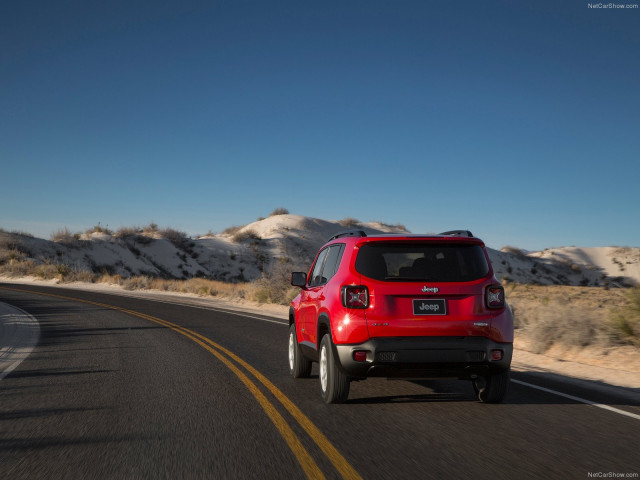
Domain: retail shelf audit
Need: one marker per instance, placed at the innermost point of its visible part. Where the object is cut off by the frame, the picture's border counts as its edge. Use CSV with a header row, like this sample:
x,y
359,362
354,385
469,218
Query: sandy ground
x,y
617,366
602,362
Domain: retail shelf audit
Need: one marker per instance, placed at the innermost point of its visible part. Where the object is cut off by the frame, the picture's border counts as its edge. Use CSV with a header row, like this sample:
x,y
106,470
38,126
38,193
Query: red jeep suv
x,y
412,306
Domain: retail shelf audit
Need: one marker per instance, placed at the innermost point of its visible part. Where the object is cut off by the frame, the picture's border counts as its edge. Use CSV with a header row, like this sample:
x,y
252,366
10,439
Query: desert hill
x,y
280,241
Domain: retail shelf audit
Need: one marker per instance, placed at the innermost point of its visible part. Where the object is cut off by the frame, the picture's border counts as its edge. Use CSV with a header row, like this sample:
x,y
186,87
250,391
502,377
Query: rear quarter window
x,y
422,262
326,265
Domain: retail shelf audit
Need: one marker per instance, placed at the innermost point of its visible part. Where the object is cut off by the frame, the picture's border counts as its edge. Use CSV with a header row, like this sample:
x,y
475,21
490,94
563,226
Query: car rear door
x,y
425,289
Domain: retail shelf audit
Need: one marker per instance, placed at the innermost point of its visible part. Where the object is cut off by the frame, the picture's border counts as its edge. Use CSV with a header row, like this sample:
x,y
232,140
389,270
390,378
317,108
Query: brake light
x,y
360,356
494,296
355,296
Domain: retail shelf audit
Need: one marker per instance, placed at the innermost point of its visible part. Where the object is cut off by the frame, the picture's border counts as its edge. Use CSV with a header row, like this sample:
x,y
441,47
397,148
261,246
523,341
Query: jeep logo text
x,y
426,289
432,308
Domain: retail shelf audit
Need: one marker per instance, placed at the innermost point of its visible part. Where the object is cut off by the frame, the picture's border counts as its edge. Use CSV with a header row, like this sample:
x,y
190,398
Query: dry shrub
x,y
197,286
566,325
12,252
349,222
514,251
135,235
231,230
398,226
140,282
176,237
64,236
150,229
126,232
568,316
18,268
245,235
274,286
98,229
21,233
47,271
81,276
214,288
625,322
279,211
109,279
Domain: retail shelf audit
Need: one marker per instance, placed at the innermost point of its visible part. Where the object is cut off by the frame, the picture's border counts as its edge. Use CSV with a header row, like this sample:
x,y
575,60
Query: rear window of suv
x,y
422,262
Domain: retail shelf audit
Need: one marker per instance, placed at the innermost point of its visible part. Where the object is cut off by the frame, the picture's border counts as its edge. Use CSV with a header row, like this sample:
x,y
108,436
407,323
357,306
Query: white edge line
x,y
519,382
26,351
213,309
578,399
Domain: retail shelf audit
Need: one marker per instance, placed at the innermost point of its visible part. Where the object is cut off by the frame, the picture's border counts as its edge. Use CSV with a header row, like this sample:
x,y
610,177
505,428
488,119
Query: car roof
x,y
406,237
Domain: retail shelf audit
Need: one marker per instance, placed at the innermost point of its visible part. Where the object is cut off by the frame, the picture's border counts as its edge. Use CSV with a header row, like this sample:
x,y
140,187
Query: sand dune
x,y
291,241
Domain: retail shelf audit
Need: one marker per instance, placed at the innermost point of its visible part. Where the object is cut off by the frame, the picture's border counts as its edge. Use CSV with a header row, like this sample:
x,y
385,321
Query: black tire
x,y
299,365
492,388
334,383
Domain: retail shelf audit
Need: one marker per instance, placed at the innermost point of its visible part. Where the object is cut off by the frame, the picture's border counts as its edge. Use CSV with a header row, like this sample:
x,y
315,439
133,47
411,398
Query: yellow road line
x,y
304,458
339,462
307,463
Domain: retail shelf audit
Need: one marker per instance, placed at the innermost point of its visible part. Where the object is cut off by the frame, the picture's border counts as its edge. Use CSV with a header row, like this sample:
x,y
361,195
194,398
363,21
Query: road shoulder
x,y
19,333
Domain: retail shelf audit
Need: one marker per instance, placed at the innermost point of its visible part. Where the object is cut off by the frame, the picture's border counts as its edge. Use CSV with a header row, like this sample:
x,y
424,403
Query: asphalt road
x,y
121,387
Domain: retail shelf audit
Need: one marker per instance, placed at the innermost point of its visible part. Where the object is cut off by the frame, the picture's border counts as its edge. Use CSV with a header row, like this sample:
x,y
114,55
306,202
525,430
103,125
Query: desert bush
x,y
134,234
81,276
231,230
198,286
566,325
279,211
21,233
572,317
139,282
274,285
241,236
125,232
12,250
625,322
52,270
151,228
99,229
18,267
64,236
514,251
176,237
397,226
349,222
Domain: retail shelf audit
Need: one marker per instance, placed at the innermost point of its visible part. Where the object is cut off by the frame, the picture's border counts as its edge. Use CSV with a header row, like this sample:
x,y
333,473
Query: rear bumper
x,y
424,357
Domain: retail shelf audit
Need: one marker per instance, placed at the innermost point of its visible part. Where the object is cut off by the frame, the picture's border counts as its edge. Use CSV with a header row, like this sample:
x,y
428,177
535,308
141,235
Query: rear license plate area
x,y
431,306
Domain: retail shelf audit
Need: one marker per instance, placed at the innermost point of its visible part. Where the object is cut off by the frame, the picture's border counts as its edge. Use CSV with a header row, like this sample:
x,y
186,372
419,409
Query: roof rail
x,y
458,233
350,233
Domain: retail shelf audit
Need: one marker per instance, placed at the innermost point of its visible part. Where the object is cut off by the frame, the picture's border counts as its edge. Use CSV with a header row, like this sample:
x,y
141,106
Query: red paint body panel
x,y
390,310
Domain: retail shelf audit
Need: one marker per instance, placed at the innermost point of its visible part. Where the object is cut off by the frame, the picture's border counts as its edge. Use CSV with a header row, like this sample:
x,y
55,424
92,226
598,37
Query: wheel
x,y
493,387
334,383
299,365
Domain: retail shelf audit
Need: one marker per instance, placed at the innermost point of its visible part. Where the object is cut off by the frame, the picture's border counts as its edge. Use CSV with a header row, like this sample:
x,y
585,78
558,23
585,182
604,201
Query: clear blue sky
x,y
519,120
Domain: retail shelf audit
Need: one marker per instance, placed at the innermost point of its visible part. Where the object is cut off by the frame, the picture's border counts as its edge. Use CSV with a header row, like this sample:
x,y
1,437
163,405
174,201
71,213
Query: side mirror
x,y
299,279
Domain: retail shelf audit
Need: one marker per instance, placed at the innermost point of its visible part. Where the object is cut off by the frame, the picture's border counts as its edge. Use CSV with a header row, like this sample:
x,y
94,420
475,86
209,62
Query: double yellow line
x,y
228,358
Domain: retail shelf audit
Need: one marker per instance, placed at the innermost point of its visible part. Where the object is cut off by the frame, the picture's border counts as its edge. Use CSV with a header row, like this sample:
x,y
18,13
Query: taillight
x,y
494,296
355,296
496,355
360,356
